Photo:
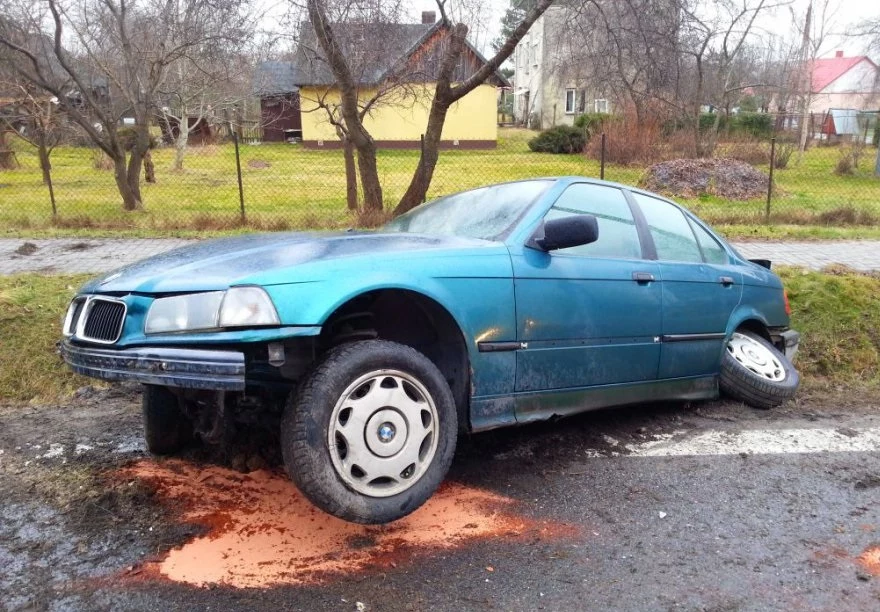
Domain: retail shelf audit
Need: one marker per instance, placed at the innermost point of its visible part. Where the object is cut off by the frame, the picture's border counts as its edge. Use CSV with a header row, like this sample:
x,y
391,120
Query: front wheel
x,y
756,372
371,432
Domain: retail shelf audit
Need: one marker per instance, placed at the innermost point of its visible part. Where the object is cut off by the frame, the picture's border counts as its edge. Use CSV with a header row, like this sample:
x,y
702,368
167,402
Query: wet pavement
x,y
710,506
70,255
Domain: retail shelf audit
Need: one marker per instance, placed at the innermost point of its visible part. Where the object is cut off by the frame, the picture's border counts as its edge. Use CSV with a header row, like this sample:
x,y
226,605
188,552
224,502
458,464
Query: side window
x,y
670,230
618,237
712,251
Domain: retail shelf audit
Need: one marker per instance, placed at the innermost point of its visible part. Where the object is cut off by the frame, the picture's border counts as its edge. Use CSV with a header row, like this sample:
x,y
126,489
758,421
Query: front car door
x,y
700,289
587,315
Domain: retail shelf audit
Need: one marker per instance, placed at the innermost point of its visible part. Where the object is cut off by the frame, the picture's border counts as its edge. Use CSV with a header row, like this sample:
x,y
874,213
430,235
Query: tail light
x,y
787,303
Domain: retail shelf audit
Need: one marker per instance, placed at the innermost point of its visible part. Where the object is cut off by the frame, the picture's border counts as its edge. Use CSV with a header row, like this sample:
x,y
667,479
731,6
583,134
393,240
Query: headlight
x,y
247,306
184,312
237,307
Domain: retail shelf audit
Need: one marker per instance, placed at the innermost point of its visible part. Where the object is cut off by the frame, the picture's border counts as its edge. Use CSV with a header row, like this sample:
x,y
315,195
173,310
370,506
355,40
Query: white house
x,y
844,82
549,88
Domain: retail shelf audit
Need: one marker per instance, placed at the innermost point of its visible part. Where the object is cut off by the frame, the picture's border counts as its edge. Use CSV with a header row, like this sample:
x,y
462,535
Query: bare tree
x,y
818,23
372,42
869,31
34,119
713,42
106,59
627,50
452,45
206,82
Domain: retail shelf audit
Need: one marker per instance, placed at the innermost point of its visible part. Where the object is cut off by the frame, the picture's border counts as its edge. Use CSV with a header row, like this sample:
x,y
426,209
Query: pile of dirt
x,y
690,178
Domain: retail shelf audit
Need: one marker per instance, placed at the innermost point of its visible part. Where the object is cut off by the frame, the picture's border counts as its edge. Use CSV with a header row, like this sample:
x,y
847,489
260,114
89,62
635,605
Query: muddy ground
x,y
577,514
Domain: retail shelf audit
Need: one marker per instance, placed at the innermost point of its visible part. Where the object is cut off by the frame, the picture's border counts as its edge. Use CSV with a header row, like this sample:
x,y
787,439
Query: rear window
x,y
671,231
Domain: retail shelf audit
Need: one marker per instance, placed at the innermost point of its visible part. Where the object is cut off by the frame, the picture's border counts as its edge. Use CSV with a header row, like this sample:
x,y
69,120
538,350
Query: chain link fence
x,y
275,186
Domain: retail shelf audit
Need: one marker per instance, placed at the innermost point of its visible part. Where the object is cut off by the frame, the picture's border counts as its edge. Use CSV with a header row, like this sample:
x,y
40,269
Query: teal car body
x,y
521,333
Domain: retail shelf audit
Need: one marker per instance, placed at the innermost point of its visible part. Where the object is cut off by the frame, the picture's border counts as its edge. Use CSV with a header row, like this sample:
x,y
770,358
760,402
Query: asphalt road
x,y
675,507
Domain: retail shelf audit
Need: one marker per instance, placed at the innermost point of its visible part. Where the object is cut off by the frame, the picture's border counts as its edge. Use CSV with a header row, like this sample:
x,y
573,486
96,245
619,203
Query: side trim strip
x,y
495,347
691,337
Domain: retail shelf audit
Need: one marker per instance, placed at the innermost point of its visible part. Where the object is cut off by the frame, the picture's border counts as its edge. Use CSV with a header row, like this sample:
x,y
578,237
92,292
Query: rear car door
x,y
700,290
588,315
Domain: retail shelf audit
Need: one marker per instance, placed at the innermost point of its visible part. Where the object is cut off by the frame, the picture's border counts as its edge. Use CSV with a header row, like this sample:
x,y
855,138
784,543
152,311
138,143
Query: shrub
x,y
128,136
707,120
845,163
100,160
749,150
628,142
559,139
759,125
850,156
784,151
591,123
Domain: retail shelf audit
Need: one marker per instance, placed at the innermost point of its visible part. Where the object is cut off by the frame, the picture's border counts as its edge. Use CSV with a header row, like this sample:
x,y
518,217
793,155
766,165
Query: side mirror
x,y
566,232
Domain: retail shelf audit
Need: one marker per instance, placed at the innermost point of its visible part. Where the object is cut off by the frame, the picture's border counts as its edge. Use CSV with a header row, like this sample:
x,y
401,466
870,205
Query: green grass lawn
x,y
838,315
286,186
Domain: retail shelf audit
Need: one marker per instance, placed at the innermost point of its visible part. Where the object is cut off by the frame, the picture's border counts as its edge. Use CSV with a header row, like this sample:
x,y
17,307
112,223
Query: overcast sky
x,y
843,16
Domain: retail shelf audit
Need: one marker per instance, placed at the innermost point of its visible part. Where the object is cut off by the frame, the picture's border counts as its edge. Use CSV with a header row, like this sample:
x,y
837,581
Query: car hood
x,y
219,264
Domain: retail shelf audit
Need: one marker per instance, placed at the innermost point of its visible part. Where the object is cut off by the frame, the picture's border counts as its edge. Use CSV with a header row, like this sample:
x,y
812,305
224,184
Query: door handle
x,y
643,277
725,280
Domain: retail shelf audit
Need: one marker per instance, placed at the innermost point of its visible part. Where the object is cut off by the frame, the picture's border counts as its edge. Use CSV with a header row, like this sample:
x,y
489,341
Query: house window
x,y
570,101
600,106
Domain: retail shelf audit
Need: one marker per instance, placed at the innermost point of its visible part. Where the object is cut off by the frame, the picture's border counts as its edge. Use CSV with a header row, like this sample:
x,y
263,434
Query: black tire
x,y
750,387
306,426
166,428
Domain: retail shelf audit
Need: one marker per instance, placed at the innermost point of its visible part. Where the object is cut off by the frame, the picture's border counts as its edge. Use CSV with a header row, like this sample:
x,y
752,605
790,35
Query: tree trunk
x,y
804,131
46,167
131,198
8,160
139,151
421,180
351,187
180,148
369,172
877,163
149,168
45,164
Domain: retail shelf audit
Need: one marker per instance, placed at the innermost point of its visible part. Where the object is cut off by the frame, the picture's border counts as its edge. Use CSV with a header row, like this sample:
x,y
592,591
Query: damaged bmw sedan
x,y
370,352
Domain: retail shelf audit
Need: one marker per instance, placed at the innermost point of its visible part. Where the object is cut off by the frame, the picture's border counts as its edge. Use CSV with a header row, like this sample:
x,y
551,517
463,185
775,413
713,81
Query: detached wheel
x,y
371,432
756,372
166,428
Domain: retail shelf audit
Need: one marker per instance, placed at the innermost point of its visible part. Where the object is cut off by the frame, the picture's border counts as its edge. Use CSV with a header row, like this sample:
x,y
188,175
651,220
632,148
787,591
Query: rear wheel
x,y
756,372
166,428
371,433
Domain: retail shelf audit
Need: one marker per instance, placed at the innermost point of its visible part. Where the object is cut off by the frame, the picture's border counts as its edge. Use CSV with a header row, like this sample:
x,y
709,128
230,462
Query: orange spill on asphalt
x,y
261,531
870,560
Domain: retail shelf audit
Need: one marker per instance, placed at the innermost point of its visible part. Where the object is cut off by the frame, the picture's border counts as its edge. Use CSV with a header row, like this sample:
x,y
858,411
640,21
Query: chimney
x,y
838,54
429,16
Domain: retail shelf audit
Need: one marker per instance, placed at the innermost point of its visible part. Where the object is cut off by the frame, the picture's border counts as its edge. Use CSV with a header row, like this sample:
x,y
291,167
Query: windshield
x,y
486,213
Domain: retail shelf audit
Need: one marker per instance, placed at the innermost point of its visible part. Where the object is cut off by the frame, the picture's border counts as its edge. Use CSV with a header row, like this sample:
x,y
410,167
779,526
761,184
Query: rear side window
x,y
618,237
713,252
672,234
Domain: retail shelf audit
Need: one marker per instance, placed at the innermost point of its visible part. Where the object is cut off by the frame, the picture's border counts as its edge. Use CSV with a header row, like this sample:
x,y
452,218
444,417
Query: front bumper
x,y
787,341
169,367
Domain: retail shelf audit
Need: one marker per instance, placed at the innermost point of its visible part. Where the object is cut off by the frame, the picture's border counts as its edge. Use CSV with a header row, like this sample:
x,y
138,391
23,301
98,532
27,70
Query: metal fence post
x,y
602,159
770,180
238,172
422,167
